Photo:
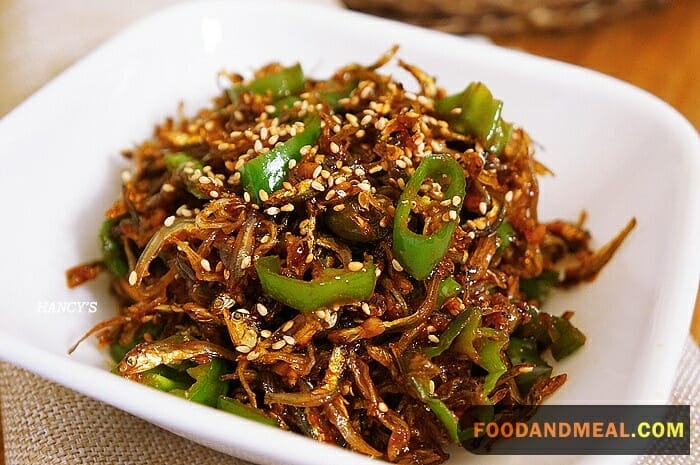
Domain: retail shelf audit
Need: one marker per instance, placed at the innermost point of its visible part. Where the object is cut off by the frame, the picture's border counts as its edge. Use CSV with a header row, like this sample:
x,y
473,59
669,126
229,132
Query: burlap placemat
x,y
44,423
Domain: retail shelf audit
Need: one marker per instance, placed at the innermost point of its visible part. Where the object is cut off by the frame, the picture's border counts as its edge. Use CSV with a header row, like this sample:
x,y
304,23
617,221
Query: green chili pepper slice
x,y
333,287
286,82
555,332
419,253
230,405
524,350
208,385
165,378
492,362
438,407
266,172
539,288
176,164
112,252
506,234
480,115
449,288
469,318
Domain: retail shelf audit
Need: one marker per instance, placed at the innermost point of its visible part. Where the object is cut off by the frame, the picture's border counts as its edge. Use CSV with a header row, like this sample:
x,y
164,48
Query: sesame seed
x,y
509,196
169,221
204,180
482,208
243,349
213,194
430,328
309,258
205,264
396,265
292,163
317,186
167,187
383,407
246,197
289,340
456,200
252,356
262,310
375,169
132,278
325,174
434,338
331,193
360,133
365,308
355,266
273,139
359,172
377,272
365,186
243,311
262,194
401,164
278,345
452,215
245,263
335,148
265,333
287,207
317,171
263,133
431,386
339,208
287,326
340,180
366,120
126,176
257,146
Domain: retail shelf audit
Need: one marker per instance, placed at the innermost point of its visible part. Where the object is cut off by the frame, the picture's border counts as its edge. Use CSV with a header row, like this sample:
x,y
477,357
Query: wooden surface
x,y
657,50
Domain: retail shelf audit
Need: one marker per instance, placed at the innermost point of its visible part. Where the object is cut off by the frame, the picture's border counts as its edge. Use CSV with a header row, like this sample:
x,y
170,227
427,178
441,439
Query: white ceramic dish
x,y
616,151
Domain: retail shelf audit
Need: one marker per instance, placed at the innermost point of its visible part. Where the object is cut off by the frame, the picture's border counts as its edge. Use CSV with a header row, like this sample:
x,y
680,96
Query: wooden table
x,y
656,50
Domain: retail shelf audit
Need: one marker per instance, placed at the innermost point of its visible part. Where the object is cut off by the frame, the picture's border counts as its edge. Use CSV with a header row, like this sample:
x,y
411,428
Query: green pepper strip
x,y
112,252
230,405
554,332
438,407
448,288
208,385
480,115
419,253
267,172
492,362
469,318
506,234
286,82
539,287
524,350
177,162
165,378
333,287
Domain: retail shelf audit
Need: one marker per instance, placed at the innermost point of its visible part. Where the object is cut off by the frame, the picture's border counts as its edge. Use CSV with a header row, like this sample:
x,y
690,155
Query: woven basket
x,y
501,16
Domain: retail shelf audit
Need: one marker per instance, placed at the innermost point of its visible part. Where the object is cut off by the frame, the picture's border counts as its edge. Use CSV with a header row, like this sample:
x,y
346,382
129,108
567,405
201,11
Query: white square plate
x,y
617,152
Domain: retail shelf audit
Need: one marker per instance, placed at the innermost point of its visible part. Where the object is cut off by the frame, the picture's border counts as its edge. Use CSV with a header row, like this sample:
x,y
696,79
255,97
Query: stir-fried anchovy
x,y
342,258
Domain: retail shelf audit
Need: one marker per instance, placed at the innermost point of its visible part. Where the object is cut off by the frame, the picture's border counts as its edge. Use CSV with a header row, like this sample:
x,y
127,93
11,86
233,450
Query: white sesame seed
x,y
355,266
431,386
287,326
318,186
167,187
434,338
365,308
263,133
317,171
262,310
272,211
204,180
396,265
287,207
383,407
252,356
360,133
257,146
132,278
205,264
452,215
366,120
262,195
509,196
292,163
359,172
213,194
289,340
365,186
126,176
243,349
340,207
482,208
456,200
246,197
245,263
278,345
401,164
335,148
265,333
375,169
265,239
169,221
